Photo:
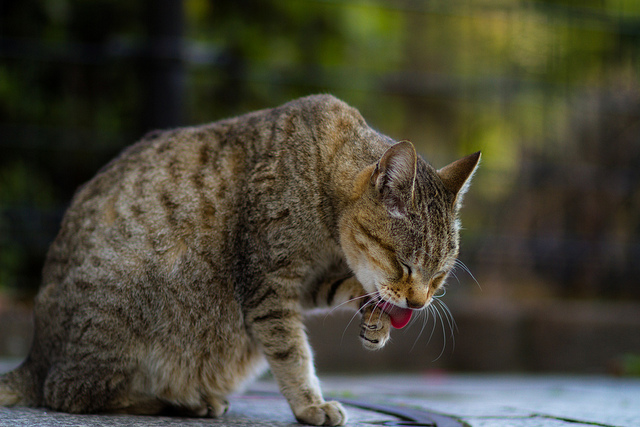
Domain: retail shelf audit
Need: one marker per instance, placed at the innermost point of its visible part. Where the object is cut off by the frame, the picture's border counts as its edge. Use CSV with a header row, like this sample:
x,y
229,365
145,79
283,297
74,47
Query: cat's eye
x,y
406,268
437,280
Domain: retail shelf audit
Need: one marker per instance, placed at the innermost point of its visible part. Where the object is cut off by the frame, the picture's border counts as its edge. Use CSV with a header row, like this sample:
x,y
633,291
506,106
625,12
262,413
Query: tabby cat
x,y
187,261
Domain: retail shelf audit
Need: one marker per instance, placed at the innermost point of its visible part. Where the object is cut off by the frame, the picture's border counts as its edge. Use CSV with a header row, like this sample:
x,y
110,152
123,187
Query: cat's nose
x,y
415,304
416,297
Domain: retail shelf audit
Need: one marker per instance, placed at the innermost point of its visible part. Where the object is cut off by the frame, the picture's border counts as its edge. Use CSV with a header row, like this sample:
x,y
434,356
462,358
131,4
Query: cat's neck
x,y
350,170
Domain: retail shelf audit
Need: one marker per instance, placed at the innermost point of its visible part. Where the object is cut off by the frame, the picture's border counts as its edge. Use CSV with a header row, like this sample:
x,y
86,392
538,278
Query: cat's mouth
x,y
399,316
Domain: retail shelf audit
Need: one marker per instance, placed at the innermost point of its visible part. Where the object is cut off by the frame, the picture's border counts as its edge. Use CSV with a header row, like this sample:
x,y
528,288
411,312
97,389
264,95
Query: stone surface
x,y
250,410
477,400
529,400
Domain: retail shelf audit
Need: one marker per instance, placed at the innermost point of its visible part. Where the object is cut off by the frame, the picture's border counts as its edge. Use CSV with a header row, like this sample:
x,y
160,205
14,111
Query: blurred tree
x,y
546,88
164,70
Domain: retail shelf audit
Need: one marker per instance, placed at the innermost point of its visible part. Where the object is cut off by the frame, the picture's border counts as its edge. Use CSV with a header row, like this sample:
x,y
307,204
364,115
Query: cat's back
x,y
140,201
182,188
218,154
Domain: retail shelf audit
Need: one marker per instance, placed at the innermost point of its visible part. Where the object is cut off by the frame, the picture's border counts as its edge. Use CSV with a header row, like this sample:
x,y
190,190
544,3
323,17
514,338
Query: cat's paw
x,y
374,328
214,407
217,407
325,414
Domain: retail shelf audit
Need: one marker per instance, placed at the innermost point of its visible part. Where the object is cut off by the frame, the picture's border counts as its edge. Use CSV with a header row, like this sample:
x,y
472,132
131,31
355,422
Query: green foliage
x,y
22,185
504,76
630,365
22,188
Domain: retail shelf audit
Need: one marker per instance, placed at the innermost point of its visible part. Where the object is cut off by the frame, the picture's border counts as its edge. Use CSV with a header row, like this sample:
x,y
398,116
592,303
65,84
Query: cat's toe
x,y
325,414
373,340
213,407
217,407
375,329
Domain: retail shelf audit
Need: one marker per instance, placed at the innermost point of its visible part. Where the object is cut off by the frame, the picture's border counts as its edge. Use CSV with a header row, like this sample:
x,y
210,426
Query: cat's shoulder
x,y
322,101
332,118
327,106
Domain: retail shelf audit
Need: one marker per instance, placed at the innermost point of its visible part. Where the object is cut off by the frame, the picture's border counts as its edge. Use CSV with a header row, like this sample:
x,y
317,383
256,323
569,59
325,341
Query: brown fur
x,y
189,260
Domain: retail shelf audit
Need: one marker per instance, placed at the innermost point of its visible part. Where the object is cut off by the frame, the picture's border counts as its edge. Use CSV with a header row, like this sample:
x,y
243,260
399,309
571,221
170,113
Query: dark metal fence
x,y
557,202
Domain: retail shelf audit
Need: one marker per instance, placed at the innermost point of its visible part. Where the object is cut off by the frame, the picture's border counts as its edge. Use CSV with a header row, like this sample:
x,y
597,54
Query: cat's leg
x,y
139,403
375,326
345,292
152,406
209,408
96,387
86,387
277,324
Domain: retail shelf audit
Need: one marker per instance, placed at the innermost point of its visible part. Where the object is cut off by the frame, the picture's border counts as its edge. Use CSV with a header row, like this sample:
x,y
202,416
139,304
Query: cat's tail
x,y
18,387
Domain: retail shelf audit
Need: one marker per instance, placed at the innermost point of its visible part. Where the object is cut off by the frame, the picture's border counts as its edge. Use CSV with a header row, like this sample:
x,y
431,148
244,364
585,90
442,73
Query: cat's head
x,y
400,235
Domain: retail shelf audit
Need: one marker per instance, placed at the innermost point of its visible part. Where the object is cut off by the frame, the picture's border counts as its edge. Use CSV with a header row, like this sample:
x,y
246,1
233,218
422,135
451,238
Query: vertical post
x,y
164,71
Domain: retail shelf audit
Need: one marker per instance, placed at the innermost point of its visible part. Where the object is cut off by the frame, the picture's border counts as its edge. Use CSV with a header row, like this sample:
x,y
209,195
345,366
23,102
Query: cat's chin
x,y
399,316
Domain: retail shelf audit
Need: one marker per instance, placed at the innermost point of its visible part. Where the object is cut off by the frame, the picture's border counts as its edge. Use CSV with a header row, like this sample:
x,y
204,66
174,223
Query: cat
x,y
187,262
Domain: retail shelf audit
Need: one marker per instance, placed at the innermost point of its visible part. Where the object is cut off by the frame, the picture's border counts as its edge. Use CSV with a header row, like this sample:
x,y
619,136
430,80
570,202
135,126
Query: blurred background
x,y
549,90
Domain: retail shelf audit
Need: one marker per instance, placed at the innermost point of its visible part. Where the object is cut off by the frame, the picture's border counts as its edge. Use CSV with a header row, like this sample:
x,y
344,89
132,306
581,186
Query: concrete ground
x,y
436,399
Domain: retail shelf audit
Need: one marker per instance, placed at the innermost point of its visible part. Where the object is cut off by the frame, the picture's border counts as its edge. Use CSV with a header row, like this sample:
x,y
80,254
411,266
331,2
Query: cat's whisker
x,y
425,315
357,311
444,292
453,327
365,305
353,317
451,323
377,306
444,336
414,319
347,302
463,266
453,273
433,328
450,314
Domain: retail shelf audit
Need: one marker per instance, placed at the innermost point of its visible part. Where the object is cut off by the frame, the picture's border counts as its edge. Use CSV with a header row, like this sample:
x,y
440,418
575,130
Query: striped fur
x,y
187,262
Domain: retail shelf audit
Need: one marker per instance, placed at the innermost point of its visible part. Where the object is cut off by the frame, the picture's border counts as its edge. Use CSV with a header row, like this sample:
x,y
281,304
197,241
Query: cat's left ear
x,y
456,176
394,177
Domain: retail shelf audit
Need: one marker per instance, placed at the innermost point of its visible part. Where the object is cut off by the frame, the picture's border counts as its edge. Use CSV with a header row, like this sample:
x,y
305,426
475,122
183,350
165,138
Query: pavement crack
x,y
572,420
408,416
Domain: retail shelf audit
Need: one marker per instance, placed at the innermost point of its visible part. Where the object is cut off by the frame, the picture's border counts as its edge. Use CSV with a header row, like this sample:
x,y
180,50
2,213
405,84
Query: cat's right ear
x,y
456,176
394,177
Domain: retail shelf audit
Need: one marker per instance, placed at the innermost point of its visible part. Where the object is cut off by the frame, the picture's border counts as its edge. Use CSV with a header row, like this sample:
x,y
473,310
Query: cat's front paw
x,y
374,328
325,414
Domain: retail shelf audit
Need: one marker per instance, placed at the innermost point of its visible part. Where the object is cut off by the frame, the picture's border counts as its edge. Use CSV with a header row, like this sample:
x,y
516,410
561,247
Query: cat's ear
x,y
394,177
456,176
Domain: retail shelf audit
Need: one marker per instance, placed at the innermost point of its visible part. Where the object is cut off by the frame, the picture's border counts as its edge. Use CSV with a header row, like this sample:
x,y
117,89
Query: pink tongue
x,y
399,316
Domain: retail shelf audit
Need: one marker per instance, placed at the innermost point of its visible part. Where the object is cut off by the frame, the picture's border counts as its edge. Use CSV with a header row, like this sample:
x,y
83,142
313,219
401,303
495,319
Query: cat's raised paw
x,y
374,328
325,414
